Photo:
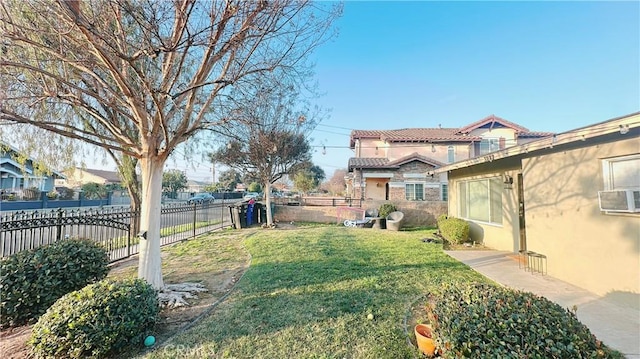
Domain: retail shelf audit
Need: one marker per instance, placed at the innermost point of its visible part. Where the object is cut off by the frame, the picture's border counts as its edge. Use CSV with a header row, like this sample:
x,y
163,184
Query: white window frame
x,y
608,172
488,145
414,197
451,154
609,178
444,192
494,189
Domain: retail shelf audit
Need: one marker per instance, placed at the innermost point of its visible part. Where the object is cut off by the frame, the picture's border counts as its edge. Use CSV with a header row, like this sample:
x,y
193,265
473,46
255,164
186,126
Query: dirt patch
x,y
13,340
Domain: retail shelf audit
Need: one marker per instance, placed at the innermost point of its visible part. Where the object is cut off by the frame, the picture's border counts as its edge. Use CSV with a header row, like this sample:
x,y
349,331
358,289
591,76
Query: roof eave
x,y
618,124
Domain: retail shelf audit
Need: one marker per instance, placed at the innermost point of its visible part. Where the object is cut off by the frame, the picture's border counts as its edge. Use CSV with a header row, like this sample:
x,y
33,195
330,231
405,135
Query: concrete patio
x,y
614,319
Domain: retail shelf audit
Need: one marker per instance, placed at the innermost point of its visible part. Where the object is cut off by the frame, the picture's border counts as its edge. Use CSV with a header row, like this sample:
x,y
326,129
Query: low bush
x,y
385,209
31,281
65,193
52,194
454,230
99,320
481,320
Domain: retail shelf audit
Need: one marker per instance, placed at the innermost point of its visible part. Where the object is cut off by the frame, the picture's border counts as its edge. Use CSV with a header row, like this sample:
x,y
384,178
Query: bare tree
x,y
268,139
141,77
336,184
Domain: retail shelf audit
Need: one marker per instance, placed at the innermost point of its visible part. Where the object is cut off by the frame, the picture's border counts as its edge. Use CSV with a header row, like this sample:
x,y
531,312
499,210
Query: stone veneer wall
x,y
416,213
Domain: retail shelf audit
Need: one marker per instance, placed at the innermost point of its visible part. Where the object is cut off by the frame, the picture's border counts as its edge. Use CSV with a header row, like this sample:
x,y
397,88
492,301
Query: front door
x,y
523,232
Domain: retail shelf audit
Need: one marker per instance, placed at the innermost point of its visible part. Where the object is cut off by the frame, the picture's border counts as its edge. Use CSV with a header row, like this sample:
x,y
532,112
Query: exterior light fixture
x,y
324,150
433,148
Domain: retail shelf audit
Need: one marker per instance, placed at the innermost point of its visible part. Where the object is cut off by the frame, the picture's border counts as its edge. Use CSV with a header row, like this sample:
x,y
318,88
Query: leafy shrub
x,y
441,218
385,209
482,320
52,194
65,193
100,319
31,281
454,230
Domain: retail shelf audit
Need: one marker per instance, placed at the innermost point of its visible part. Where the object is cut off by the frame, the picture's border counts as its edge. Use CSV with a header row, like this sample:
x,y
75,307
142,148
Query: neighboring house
x,y
398,164
15,176
574,197
79,176
196,186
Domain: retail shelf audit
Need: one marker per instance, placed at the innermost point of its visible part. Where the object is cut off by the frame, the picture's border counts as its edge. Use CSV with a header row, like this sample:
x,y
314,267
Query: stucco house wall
x,y
584,245
561,177
506,235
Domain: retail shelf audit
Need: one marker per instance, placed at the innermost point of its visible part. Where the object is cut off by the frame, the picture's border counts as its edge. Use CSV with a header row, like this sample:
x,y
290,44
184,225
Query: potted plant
x,y
424,339
383,212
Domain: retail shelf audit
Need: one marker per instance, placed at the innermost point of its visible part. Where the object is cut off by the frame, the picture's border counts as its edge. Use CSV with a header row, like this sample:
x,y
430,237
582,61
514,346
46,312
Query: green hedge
x,y
454,230
99,320
385,209
31,281
485,321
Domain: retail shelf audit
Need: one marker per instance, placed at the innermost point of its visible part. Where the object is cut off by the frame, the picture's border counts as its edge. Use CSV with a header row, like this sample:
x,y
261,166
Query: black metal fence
x,y
114,228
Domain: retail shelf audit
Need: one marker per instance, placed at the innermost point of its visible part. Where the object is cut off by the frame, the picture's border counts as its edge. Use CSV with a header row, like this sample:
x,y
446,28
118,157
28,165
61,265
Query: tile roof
x,y
430,135
109,176
363,162
492,119
416,157
413,135
383,163
535,134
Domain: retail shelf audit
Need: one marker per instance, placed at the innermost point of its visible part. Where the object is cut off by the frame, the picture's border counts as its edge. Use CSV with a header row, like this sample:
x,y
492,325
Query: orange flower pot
x,y
424,339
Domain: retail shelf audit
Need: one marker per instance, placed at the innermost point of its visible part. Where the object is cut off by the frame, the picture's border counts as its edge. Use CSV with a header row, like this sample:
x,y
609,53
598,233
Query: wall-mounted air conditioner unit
x,y
625,200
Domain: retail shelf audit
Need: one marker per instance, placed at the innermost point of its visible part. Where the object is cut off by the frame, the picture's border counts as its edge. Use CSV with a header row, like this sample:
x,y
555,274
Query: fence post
x,y
195,206
59,225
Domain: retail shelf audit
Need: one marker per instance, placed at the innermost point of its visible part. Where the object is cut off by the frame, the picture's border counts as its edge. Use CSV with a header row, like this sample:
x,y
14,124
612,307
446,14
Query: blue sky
x,y
548,66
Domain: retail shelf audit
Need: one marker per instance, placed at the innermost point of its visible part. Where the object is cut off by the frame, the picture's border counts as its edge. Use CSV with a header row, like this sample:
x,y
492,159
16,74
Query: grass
x,y
311,293
121,242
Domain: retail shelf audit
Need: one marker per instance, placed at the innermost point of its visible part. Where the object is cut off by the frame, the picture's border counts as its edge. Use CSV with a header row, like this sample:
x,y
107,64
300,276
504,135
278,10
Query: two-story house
x,y
399,164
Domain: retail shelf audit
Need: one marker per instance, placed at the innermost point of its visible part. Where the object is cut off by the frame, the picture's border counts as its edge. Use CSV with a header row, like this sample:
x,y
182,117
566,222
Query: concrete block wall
x,y
416,213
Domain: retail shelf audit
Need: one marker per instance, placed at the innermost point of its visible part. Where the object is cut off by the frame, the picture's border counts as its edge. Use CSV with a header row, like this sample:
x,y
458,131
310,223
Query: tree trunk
x,y
135,208
150,263
267,194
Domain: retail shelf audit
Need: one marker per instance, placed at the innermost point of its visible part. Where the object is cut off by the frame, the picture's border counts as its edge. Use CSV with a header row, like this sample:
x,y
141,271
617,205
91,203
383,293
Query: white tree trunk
x,y
150,265
267,193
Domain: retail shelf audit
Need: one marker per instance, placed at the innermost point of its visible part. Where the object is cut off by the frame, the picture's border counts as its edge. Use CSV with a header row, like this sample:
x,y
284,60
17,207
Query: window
x,y
481,200
621,172
489,145
450,154
414,191
444,192
621,176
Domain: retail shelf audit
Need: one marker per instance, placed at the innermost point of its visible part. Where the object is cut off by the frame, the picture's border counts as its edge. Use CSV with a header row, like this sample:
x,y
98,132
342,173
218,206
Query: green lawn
x,y
309,293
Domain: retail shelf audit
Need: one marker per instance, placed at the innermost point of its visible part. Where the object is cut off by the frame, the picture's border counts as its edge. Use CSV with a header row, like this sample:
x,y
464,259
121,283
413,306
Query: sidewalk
x,y
615,321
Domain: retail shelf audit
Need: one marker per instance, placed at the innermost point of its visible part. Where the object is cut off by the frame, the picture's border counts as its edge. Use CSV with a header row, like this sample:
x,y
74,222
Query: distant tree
x,y
173,181
214,187
268,133
94,190
336,184
304,181
228,180
254,187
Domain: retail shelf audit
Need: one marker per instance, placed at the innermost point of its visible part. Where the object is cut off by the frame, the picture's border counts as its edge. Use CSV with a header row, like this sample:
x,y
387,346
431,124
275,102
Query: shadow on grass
x,y
326,276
